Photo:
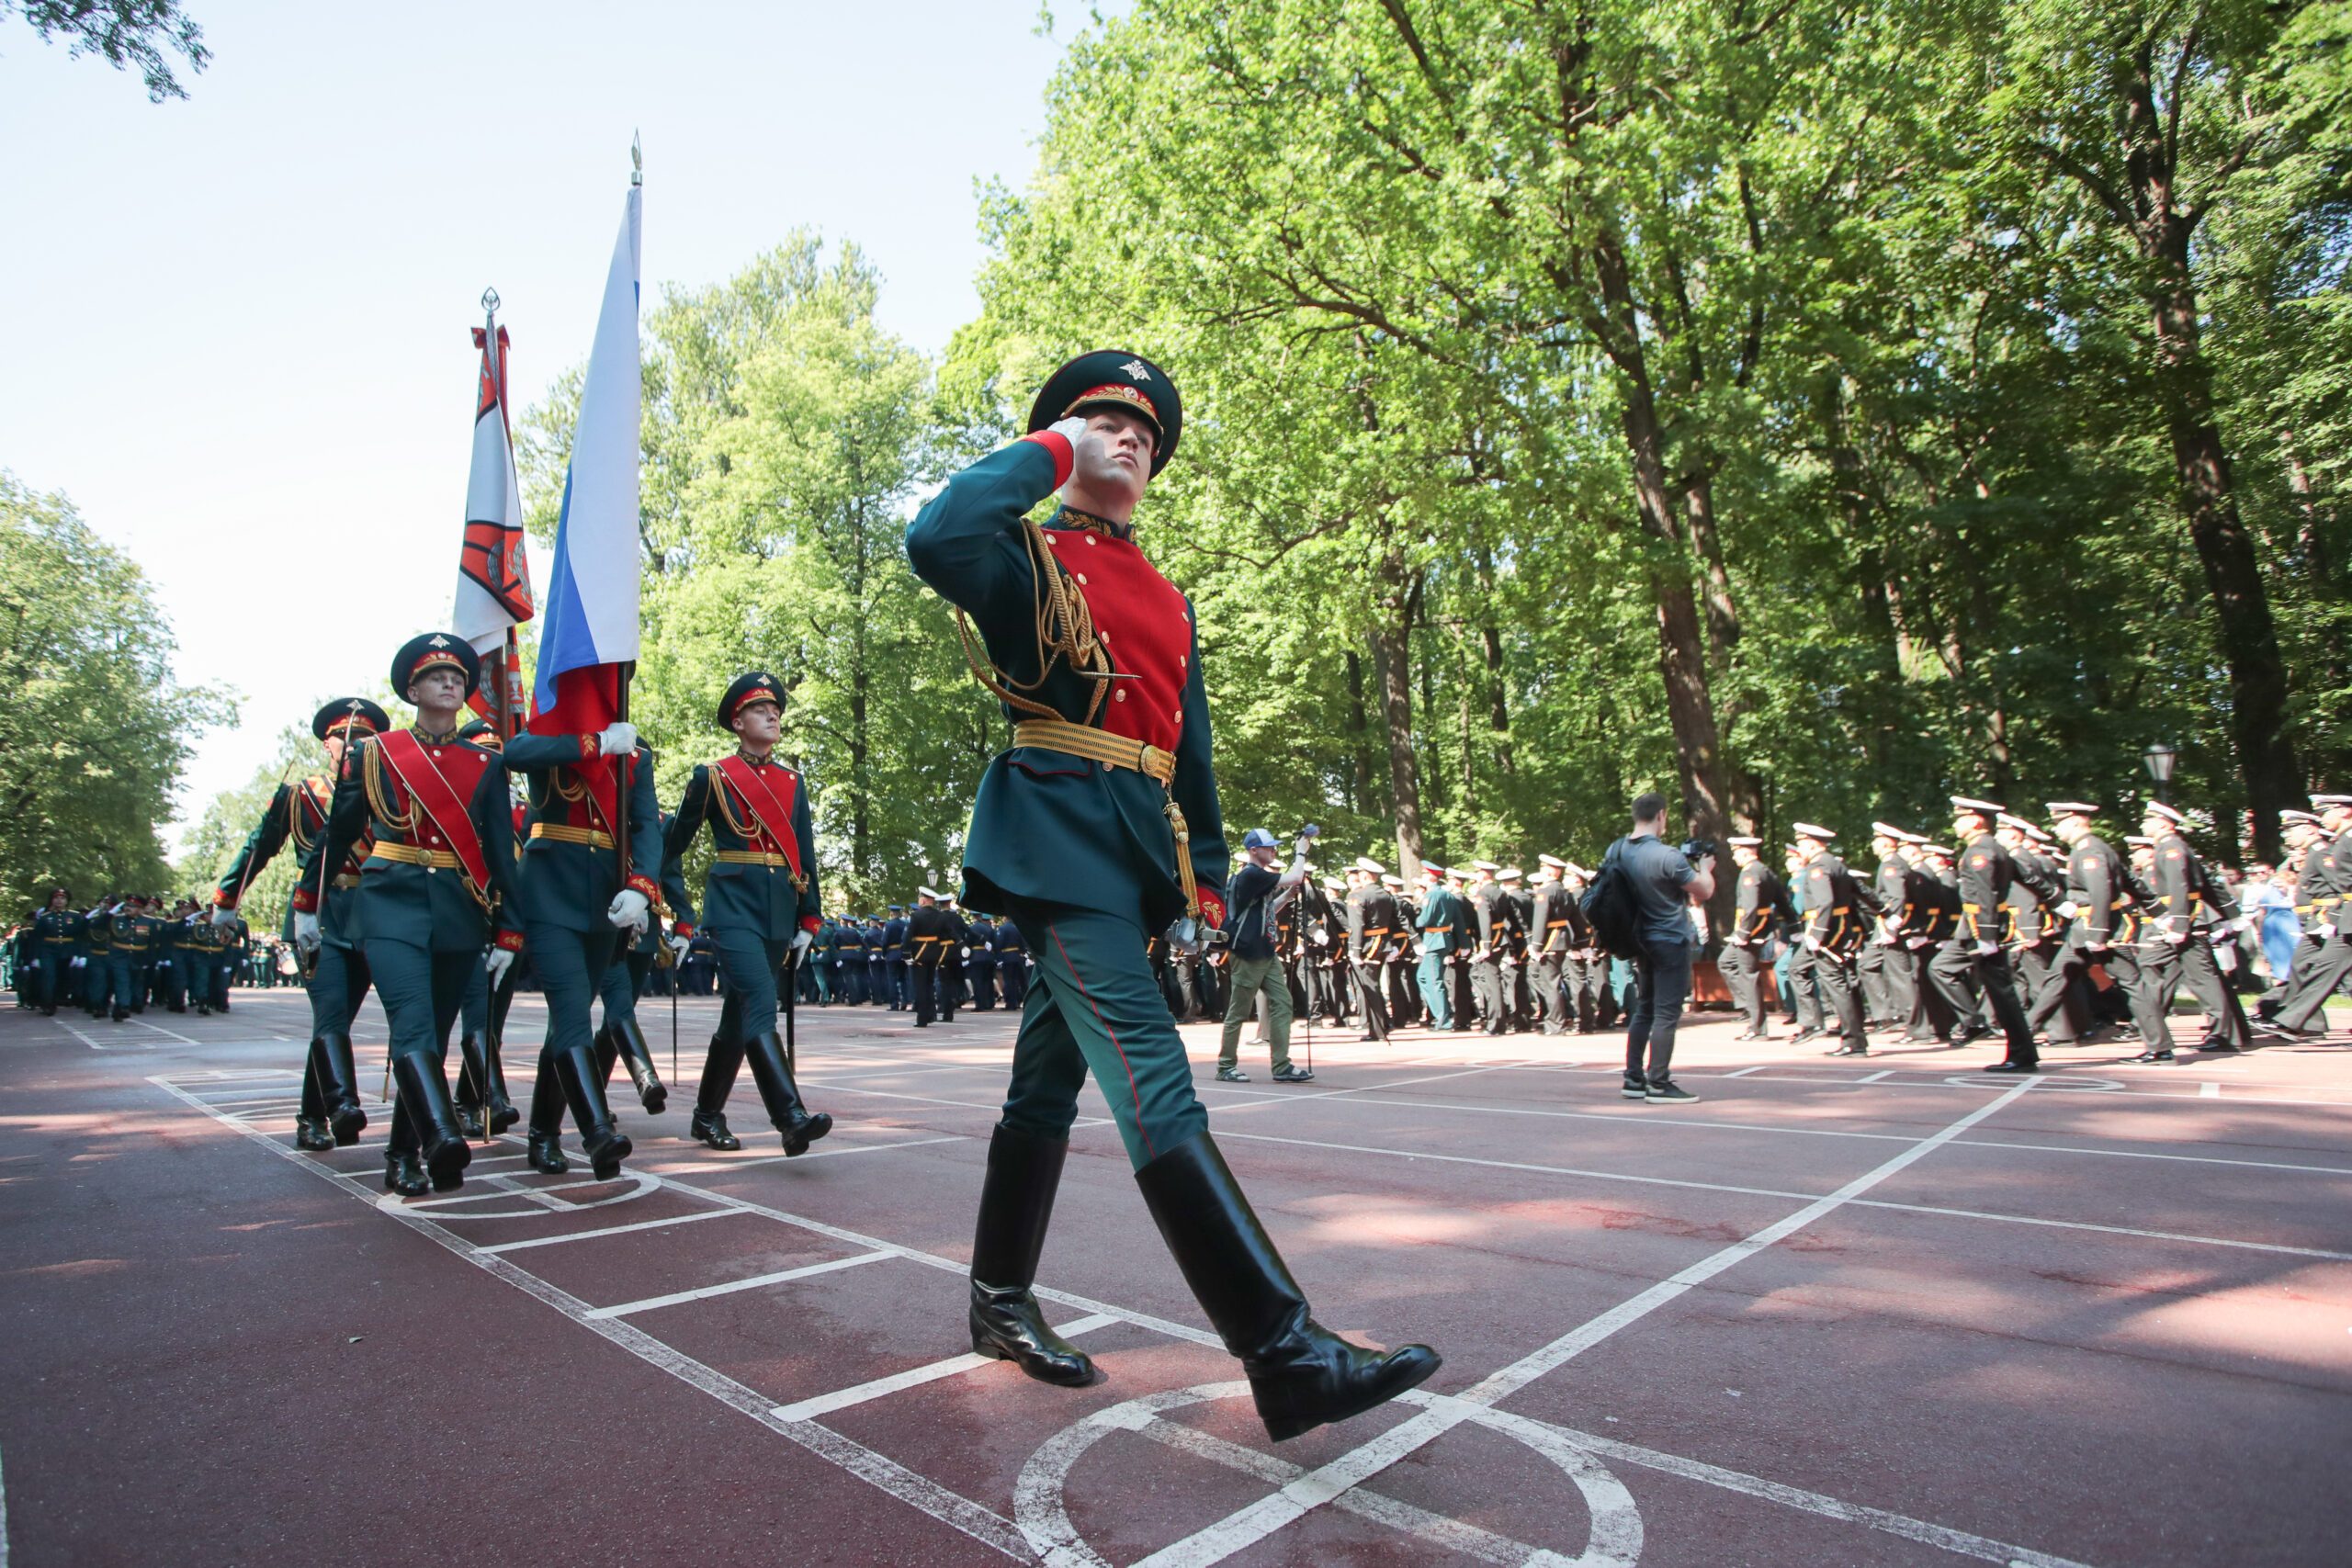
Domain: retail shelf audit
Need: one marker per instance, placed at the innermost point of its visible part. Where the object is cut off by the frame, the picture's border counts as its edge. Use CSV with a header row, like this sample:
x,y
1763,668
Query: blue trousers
x,y
571,965
624,982
1096,1006
422,990
1430,973
56,975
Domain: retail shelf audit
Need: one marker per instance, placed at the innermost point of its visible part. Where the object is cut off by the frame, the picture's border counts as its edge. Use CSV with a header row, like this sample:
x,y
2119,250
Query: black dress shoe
x,y
2163,1056
1802,1036
311,1134
2013,1067
547,1153
711,1129
404,1175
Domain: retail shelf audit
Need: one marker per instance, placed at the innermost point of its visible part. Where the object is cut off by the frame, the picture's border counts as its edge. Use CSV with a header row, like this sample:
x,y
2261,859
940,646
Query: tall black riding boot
x,y
583,1090
628,1038
782,1098
503,1114
424,1094
339,1086
1016,1205
310,1121
473,1088
1301,1373
710,1123
545,1142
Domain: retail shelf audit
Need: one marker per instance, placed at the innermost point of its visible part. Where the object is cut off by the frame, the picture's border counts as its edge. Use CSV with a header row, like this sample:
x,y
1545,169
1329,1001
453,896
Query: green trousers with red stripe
x,y
1094,1004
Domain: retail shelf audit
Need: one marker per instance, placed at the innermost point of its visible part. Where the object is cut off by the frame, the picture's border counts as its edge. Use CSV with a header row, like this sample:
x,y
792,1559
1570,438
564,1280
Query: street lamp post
x,y
2160,759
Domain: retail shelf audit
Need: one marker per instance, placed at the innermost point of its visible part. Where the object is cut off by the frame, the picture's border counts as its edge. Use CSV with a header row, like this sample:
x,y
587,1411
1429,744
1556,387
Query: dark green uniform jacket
x,y
430,906
571,863
1049,827
739,895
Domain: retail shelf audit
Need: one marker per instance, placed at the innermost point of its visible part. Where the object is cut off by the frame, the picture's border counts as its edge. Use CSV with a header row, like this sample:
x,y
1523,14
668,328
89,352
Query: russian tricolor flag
x,y
588,628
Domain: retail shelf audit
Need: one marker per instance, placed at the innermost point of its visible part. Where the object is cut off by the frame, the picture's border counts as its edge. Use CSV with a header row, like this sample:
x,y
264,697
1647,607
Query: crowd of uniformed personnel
x,y
127,952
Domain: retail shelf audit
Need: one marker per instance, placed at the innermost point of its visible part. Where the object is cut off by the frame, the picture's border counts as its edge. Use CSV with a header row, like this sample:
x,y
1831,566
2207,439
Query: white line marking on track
x,y
721,1166
610,1230
679,1298
1873,1078
915,1377
2208,1092
1919,1530
1247,1526
3,1520
918,1492
1743,1072
1885,1204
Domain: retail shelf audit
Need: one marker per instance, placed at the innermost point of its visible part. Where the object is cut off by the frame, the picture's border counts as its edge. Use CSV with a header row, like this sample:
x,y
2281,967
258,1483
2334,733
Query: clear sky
x,y
234,329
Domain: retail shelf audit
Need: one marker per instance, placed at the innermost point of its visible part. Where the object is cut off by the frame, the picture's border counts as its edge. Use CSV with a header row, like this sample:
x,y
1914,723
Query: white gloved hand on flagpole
x,y
617,739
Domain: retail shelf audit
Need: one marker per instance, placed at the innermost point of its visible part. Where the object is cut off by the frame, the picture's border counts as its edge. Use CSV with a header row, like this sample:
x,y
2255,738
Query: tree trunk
x,y
1393,662
2241,605
1358,750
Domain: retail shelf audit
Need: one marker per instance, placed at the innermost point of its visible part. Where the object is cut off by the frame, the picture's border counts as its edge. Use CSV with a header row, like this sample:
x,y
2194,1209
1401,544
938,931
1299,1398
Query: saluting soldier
x,y
1097,829
582,907
335,975
1833,934
1438,926
129,939
759,906
435,814
1762,905
1986,873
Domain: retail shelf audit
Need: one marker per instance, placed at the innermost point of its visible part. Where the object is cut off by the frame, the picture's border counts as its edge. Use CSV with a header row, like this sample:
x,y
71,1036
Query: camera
x,y
1696,849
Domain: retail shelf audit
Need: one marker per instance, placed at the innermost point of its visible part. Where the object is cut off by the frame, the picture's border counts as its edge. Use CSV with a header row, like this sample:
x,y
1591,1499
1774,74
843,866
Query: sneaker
x,y
1291,1072
1231,1075
1635,1088
1667,1091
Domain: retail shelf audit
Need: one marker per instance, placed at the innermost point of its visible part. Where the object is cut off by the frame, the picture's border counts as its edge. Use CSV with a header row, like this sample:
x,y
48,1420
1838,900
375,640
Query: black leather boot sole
x,y
311,1134
711,1129
546,1153
1302,1374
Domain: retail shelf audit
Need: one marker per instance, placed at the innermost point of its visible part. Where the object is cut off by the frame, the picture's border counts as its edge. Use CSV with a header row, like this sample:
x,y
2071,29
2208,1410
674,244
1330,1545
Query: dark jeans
x,y
1661,985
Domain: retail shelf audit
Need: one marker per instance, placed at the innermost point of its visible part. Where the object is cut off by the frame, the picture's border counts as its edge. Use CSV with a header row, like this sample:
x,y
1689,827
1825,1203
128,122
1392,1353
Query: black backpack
x,y
1609,906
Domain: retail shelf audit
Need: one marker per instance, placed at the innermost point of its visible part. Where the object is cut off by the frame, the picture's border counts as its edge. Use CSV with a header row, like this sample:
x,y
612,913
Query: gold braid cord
x,y
371,776
1065,630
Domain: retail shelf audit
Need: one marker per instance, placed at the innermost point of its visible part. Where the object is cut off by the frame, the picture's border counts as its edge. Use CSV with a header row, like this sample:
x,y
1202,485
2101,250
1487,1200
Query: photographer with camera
x,y
1661,883
1255,897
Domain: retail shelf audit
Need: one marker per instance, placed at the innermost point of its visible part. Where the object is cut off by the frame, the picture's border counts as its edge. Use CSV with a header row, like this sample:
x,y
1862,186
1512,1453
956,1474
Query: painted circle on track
x,y
1041,1507
2045,1082
461,1205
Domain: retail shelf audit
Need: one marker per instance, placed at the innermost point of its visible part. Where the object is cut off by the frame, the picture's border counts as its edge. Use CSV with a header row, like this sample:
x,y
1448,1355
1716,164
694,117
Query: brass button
x,y
1119,697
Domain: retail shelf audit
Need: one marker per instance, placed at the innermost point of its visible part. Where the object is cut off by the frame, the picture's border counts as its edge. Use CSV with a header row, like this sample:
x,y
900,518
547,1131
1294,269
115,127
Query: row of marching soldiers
x,y
1459,949
421,877
2038,932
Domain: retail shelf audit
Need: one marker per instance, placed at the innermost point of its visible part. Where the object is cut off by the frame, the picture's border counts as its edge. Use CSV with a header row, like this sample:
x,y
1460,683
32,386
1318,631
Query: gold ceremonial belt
x,y
747,857
593,837
1095,745
409,854
57,939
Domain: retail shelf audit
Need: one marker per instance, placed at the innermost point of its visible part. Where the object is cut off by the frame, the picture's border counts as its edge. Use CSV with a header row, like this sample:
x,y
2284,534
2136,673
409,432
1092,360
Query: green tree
x,y
96,729
121,32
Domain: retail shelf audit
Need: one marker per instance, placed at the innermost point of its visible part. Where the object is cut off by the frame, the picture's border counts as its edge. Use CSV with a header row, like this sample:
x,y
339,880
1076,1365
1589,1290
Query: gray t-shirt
x,y
1658,873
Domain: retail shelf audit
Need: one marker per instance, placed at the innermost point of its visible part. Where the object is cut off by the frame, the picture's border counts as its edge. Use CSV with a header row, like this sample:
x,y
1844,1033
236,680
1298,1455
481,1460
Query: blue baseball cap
x,y
1258,839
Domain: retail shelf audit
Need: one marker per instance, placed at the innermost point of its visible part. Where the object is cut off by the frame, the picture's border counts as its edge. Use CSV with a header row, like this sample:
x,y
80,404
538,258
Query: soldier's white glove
x,y
2327,928
629,911
617,739
2068,909
500,960
678,947
1986,949
1320,939
306,931
2224,936
2242,923
2226,959
2175,938
963,953
223,916
801,941
1812,942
